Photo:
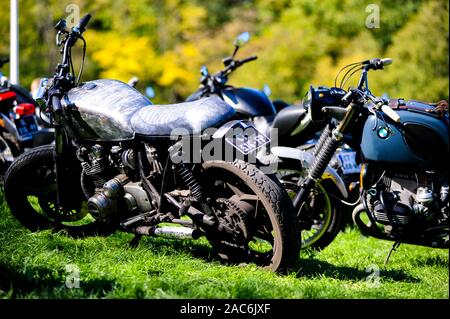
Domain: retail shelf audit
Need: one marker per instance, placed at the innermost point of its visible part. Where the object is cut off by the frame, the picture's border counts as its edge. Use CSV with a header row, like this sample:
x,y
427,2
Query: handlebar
x,y
377,64
78,30
390,113
62,80
83,23
249,59
379,103
235,64
386,61
211,83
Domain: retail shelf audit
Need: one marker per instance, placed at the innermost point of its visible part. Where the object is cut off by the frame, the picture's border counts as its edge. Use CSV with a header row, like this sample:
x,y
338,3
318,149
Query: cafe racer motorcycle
x,y
117,165
403,147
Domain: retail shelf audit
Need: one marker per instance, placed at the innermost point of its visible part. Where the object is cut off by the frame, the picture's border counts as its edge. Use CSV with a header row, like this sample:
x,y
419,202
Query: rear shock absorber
x,y
186,175
188,178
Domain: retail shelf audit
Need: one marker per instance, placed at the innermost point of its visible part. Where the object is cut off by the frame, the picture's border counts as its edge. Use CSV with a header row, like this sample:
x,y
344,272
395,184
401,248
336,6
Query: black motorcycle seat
x,y
185,118
287,119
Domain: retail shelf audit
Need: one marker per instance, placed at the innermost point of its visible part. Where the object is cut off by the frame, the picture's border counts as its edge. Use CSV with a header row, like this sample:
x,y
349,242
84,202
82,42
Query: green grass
x,y
33,265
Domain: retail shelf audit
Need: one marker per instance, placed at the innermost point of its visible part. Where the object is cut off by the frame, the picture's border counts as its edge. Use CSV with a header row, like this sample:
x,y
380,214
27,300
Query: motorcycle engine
x,y
107,184
408,199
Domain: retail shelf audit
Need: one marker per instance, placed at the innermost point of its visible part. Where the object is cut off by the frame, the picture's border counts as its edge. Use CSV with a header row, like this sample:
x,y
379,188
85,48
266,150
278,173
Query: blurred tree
x,y
298,42
421,56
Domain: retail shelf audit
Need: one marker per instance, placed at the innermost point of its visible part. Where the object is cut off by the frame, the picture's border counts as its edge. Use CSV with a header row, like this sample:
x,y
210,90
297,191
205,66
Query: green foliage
x,y
298,42
420,52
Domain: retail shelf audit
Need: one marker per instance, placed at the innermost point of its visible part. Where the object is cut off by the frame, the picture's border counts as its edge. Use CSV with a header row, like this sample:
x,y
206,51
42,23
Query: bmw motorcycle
x,y
118,165
293,127
403,147
20,128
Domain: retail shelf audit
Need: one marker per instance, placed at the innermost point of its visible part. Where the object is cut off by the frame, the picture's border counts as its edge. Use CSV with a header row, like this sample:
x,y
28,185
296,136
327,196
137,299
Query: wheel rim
x,y
39,191
260,243
319,220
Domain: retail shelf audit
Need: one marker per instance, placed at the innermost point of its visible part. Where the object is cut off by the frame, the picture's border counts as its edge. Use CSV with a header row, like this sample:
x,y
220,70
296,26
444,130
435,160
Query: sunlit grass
x,y
33,265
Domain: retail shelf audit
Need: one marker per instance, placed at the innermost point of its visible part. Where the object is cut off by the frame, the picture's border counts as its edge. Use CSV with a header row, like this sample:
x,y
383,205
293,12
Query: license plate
x,y
348,163
26,125
247,140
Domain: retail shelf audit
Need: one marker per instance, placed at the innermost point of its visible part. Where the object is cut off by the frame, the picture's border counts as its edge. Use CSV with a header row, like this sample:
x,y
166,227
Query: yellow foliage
x,y
192,17
180,68
124,57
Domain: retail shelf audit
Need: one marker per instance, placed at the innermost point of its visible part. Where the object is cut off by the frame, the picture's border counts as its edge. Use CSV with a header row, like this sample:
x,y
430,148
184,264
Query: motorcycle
x,y
19,125
324,220
118,165
404,151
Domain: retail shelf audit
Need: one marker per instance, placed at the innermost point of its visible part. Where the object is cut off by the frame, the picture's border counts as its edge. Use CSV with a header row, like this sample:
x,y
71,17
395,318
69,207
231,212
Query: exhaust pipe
x,y
169,232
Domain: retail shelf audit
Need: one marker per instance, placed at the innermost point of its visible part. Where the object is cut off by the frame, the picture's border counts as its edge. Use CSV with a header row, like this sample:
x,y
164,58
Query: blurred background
x,y
299,42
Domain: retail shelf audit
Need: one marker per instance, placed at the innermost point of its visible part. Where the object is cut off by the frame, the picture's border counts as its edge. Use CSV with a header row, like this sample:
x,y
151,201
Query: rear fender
x,y
10,127
240,139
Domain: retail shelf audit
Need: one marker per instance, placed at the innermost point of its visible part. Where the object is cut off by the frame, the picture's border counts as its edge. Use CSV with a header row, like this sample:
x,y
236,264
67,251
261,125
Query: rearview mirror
x,y
266,89
204,71
242,39
150,92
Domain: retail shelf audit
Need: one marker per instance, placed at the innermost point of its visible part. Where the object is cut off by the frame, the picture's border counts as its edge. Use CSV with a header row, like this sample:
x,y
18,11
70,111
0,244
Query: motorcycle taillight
x,y
25,109
7,96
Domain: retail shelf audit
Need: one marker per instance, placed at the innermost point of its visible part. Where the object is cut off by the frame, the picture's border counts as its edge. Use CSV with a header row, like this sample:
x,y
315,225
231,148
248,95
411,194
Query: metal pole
x,y
14,43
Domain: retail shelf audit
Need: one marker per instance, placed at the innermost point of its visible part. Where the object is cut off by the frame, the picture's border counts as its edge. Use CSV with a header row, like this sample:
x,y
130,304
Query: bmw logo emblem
x,y
383,133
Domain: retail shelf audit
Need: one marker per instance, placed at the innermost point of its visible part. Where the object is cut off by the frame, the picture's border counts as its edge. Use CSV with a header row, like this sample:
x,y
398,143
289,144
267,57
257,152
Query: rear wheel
x,y
257,218
30,191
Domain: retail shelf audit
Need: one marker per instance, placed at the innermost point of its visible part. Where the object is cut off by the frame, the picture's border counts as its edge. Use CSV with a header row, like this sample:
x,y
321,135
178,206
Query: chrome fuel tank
x,y
101,110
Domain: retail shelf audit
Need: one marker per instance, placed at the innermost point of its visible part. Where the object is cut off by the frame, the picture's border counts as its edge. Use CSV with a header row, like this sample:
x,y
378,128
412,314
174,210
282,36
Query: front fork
x,y
61,168
323,154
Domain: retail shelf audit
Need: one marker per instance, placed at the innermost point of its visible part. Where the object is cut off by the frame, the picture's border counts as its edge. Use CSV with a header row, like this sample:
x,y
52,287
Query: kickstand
x,y
135,241
393,248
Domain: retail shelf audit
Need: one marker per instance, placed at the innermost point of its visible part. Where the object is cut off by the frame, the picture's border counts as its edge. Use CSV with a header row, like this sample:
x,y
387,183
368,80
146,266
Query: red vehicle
x,y
20,128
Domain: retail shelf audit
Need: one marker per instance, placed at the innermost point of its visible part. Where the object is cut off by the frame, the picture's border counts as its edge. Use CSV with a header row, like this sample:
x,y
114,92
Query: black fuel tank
x,y
249,102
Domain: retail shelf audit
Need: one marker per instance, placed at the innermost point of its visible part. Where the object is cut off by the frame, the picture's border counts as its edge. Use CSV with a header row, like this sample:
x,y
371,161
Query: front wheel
x,y
321,220
30,191
255,211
